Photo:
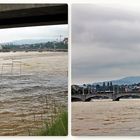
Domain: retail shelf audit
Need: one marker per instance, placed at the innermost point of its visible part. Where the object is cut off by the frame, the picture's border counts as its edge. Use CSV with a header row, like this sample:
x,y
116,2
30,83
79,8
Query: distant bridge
x,y
110,95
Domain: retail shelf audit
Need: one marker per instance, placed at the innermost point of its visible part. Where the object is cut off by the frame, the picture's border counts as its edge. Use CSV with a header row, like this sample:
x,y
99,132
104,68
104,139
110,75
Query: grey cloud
x,y
105,24
105,42
100,12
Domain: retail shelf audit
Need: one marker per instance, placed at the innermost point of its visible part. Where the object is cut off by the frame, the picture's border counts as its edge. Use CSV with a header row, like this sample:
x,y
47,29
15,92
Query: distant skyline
x,y
105,42
52,32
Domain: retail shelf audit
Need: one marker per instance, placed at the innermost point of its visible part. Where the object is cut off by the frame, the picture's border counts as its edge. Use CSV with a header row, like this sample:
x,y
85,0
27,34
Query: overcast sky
x,y
36,32
105,42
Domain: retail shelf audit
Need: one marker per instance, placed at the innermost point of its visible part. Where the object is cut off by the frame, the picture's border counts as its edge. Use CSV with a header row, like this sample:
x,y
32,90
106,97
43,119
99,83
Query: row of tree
x,y
37,46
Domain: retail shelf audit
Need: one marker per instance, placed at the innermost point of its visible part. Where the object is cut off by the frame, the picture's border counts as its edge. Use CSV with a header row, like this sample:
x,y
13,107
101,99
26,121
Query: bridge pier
x,y
114,97
114,94
83,97
117,99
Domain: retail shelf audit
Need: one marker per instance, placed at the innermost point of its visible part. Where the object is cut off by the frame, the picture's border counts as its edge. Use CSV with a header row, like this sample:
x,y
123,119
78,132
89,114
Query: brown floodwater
x,y
30,83
106,118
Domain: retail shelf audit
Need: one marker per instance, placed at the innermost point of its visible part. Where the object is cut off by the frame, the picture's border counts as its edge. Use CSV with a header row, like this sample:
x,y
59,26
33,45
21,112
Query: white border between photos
x,y
70,2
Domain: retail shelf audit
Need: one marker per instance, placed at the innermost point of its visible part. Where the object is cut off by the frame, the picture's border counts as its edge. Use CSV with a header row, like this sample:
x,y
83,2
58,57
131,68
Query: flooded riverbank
x,y
30,83
106,118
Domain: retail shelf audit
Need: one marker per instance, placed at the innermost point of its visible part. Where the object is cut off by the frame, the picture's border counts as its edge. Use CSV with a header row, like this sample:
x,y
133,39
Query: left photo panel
x,y
34,69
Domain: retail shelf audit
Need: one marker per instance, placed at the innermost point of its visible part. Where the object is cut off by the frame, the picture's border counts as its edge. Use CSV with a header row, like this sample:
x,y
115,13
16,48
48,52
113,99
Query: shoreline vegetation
x,y
56,121
56,127
40,47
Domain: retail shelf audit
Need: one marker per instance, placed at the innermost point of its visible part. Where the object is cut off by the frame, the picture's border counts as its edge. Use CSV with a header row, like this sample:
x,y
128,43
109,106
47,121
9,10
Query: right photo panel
x,y
105,89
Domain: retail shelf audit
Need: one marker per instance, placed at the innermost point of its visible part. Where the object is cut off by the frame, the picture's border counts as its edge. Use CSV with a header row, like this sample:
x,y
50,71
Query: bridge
x,y
109,95
22,15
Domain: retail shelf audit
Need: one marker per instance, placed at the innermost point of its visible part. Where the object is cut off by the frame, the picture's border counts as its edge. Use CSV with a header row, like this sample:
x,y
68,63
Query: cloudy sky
x,y
105,42
36,32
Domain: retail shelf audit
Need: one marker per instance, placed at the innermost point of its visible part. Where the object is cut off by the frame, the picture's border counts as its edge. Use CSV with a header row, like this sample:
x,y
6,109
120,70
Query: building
x,y
1,48
65,41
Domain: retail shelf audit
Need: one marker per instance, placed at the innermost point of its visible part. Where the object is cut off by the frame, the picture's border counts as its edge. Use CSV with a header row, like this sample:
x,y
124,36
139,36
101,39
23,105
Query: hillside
x,y
124,81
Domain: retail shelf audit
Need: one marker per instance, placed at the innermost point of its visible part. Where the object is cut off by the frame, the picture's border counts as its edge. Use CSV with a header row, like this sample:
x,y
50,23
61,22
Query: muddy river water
x,y
106,118
29,83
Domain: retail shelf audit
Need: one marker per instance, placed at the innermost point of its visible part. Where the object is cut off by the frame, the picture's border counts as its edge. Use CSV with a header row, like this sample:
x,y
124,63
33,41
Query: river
x,y
29,84
106,118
